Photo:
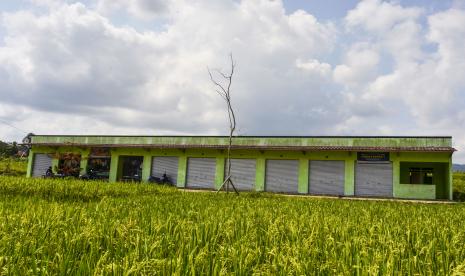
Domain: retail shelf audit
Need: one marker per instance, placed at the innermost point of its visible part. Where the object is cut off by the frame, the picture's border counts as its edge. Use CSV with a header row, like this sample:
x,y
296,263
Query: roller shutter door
x,y
282,176
373,179
41,163
327,177
243,173
201,173
165,164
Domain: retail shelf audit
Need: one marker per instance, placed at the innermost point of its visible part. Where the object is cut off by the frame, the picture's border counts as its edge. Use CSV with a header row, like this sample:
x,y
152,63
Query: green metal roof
x,y
391,143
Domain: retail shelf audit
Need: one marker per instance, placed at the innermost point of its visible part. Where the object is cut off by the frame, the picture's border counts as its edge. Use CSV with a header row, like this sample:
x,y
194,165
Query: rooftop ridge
x,y
249,136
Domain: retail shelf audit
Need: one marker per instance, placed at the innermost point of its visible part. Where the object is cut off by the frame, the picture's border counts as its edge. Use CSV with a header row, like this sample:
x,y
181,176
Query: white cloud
x,y
422,92
314,67
361,62
68,68
379,16
73,60
141,9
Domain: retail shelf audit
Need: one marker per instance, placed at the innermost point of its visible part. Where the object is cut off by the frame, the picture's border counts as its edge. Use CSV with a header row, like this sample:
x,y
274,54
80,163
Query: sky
x,y
303,67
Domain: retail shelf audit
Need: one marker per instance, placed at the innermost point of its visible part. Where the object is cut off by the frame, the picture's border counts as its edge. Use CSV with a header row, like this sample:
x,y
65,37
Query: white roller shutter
x,y
373,179
243,173
327,177
201,173
41,163
165,164
282,176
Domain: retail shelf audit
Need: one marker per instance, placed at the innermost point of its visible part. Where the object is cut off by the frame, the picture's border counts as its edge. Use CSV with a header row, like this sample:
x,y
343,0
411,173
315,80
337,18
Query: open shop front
x,y
427,179
130,168
69,165
98,164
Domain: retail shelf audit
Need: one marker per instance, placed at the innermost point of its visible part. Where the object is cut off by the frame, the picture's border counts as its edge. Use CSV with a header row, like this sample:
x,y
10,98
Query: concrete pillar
x,y
146,167
182,172
303,176
114,167
395,177
450,179
84,161
30,163
219,172
260,174
349,175
55,163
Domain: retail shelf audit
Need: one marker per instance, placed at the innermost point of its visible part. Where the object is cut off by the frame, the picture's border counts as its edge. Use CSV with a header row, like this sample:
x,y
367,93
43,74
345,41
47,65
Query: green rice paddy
x,y
74,227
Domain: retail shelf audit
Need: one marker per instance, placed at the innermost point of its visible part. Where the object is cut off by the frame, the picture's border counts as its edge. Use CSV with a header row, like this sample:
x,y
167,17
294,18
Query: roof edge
x,y
300,148
246,136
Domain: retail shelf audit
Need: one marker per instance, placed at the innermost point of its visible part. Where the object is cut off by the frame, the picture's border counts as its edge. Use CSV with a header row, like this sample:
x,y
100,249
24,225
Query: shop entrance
x,y
69,164
130,168
98,164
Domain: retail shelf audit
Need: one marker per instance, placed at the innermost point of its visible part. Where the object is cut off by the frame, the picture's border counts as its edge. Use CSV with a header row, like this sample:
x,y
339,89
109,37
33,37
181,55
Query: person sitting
x,y
49,172
164,178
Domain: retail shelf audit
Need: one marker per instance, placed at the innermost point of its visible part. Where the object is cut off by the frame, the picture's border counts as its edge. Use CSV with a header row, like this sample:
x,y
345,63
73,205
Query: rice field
x,y
459,186
75,227
13,167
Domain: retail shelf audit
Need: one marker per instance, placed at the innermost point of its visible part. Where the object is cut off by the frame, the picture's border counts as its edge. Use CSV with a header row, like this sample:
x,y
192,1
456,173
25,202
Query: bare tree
x,y
224,90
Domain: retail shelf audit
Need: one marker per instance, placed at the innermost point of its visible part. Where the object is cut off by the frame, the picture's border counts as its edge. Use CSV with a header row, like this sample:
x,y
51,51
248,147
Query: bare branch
x,y
221,94
215,82
222,74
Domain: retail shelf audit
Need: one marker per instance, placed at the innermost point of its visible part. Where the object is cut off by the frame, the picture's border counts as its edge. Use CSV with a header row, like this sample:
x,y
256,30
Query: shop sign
x,y
373,156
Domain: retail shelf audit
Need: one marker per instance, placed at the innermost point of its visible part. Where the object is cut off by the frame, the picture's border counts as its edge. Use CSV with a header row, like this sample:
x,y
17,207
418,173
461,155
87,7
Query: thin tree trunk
x,y
225,94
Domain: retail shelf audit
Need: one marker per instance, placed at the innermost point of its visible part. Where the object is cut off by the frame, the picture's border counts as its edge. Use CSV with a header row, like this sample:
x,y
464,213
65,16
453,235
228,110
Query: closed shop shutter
x,y
165,164
327,177
373,179
201,173
282,176
41,163
243,174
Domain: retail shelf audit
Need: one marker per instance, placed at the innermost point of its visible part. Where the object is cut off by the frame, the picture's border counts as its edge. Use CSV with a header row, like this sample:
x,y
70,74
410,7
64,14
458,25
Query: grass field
x,y
459,186
74,227
13,167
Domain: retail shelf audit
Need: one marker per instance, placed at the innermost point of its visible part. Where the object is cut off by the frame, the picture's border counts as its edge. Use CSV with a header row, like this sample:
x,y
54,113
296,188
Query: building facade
x,y
387,167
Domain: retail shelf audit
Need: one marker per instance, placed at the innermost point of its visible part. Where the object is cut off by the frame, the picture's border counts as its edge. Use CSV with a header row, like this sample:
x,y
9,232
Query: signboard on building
x,y
373,156
100,152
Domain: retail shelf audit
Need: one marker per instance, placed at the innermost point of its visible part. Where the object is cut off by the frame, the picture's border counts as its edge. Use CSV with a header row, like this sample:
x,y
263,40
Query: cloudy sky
x,y
304,67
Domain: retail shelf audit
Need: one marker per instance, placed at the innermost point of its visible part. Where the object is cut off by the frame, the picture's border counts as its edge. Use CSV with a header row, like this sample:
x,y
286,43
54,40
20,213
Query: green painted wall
x,y
30,162
114,167
349,183
440,163
440,179
182,171
410,191
442,190
449,178
219,172
146,167
84,160
303,176
260,174
396,189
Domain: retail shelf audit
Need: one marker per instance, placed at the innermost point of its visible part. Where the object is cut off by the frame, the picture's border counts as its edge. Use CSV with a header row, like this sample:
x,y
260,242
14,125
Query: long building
x,y
386,167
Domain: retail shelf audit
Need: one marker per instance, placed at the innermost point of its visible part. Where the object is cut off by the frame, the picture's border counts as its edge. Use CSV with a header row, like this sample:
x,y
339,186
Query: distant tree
x,y
13,149
8,149
3,149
